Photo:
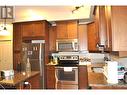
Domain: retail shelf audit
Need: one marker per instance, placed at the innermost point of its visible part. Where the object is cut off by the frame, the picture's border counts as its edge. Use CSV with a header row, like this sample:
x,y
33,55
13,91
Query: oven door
x,y
67,75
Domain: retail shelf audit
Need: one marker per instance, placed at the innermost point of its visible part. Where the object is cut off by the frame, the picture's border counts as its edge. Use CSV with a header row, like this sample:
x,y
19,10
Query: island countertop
x,y
98,81
18,78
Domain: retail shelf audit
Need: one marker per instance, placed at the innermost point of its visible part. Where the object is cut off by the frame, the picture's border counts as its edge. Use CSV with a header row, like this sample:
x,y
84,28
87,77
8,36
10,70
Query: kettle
x,y
125,77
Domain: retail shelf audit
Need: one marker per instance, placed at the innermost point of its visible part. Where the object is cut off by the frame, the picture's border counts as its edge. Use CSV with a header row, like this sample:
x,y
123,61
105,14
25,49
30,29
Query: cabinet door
x,y
83,77
38,29
92,37
52,38
17,44
17,37
50,76
61,30
27,29
34,82
72,28
119,27
82,36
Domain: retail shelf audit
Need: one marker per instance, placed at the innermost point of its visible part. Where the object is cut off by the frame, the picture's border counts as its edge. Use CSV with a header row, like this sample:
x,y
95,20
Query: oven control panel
x,y
69,57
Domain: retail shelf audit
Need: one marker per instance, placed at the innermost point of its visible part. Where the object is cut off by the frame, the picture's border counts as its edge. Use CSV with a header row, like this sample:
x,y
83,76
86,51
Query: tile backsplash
x,y
96,57
123,62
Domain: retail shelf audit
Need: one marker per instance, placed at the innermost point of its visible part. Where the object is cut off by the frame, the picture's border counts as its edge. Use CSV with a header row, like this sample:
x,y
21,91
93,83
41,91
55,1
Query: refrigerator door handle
x,y
41,64
40,56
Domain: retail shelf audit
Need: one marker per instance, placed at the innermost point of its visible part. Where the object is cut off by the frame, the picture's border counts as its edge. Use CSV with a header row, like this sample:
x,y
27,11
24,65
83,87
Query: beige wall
x,y
6,50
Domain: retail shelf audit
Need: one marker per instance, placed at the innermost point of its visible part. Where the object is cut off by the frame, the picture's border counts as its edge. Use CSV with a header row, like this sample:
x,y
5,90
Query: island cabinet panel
x,y
33,29
83,77
50,77
34,83
66,29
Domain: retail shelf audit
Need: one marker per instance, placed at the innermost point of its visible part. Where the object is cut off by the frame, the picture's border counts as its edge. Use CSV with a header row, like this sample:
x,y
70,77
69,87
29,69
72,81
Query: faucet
x,y
100,47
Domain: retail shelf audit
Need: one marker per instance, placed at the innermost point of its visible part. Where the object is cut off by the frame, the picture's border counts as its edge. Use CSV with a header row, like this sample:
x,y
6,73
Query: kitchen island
x,y
17,81
98,81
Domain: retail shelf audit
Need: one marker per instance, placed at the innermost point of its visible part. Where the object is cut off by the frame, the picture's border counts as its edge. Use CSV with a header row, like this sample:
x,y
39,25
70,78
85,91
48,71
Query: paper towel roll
x,y
112,73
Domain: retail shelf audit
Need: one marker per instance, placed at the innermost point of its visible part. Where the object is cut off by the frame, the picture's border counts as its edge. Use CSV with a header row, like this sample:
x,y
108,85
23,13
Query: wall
x,y
50,13
6,48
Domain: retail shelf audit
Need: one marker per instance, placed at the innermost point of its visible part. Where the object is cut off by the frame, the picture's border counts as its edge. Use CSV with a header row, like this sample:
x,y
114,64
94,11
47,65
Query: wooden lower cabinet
x,y
83,77
50,77
34,83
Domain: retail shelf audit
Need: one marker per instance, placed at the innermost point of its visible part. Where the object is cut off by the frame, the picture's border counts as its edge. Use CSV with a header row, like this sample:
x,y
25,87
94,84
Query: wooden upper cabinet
x,y
39,29
66,29
17,37
119,27
61,29
27,29
82,37
72,28
111,24
33,29
52,38
92,35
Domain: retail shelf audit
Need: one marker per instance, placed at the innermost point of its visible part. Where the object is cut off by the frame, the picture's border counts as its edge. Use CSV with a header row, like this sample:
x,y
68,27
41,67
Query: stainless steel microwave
x,y
67,45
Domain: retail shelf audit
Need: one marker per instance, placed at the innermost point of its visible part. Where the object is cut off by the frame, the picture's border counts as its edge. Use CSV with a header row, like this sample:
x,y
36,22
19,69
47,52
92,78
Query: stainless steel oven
x,y
67,72
67,75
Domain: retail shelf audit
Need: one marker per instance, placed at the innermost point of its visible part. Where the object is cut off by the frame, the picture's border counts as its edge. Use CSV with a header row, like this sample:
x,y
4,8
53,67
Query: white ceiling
x,y
50,13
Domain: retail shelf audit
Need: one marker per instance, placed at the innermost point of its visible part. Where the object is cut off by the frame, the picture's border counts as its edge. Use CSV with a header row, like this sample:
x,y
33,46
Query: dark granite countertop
x,y
18,78
99,80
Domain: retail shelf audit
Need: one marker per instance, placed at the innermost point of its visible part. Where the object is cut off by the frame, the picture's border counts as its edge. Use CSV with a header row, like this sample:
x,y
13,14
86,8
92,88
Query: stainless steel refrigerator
x,y
34,50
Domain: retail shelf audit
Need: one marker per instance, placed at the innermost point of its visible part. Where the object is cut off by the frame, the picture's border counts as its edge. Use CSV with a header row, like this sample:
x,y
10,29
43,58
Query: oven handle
x,y
58,67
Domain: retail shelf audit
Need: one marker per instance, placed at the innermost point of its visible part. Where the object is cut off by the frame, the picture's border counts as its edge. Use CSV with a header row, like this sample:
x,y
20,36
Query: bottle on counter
x,y
28,66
